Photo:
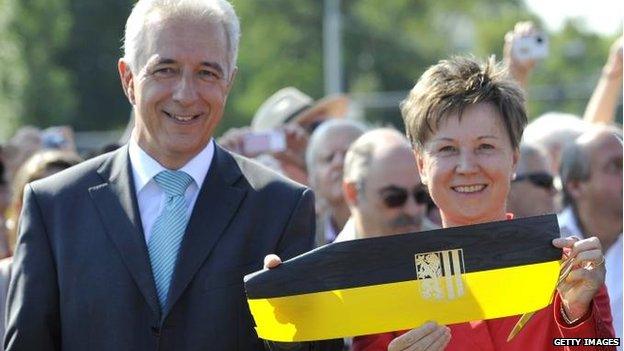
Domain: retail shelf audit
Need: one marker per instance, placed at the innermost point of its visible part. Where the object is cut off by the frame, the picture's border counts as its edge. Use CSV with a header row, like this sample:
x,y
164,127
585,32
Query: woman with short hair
x,y
465,121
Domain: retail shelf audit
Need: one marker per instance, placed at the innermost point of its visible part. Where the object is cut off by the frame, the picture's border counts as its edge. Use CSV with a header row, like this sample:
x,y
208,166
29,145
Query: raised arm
x,y
601,105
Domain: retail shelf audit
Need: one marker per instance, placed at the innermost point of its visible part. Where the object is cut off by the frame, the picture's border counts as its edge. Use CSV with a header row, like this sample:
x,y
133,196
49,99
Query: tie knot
x,y
173,183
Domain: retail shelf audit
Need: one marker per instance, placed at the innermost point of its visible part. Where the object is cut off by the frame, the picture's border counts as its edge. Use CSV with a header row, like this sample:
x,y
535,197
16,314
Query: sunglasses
x,y
394,196
540,179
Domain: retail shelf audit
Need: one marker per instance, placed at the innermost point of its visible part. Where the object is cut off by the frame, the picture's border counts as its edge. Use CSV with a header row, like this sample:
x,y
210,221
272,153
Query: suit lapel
x,y
117,205
216,204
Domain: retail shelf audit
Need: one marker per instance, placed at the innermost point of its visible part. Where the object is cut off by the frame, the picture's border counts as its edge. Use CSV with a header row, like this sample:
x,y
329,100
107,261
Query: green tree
x,y
40,28
389,48
566,79
280,46
12,75
58,58
91,53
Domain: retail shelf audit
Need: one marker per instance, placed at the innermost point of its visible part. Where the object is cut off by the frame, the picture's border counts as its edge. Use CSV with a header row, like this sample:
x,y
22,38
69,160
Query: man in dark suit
x,y
144,248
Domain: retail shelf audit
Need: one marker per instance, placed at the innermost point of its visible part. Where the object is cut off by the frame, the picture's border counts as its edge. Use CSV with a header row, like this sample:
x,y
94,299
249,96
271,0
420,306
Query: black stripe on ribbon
x,y
391,259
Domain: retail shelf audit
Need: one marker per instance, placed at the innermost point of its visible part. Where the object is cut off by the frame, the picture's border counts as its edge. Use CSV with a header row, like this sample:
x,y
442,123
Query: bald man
x,y
532,191
591,173
382,187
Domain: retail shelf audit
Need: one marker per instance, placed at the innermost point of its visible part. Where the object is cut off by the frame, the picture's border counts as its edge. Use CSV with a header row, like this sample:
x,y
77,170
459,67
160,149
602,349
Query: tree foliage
x,y
566,79
58,58
12,75
92,51
39,29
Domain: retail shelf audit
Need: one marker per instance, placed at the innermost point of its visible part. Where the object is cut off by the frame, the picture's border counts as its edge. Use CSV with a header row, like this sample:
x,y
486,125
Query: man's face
x,y
387,202
179,93
533,192
603,191
326,179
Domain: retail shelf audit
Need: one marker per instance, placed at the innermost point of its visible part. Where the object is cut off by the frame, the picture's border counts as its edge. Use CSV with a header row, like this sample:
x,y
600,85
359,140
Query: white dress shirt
x,y
613,263
150,197
567,224
613,280
349,233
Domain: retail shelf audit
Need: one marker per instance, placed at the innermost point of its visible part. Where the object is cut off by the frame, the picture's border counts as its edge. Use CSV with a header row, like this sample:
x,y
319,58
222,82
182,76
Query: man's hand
x,y
232,139
296,145
292,160
586,277
272,261
430,337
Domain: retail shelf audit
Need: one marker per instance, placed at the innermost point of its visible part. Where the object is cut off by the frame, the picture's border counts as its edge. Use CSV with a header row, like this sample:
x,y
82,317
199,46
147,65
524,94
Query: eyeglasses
x,y
394,196
540,179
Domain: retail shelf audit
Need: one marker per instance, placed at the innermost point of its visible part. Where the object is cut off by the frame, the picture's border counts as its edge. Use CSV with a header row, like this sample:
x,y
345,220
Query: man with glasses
x,y
382,187
591,173
532,191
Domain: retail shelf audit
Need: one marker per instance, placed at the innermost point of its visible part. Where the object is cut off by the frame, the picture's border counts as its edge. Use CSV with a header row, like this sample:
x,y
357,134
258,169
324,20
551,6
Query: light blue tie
x,y
168,230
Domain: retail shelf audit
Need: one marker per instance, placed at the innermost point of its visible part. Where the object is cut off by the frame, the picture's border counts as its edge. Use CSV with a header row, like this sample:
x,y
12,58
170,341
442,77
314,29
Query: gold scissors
x,y
566,268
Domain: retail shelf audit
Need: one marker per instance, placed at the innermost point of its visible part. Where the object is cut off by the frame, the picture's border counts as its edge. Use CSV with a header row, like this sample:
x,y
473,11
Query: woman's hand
x,y
430,337
586,277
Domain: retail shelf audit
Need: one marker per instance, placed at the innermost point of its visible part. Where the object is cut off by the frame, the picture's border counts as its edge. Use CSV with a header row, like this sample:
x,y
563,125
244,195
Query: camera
x,y
533,47
53,138
256,143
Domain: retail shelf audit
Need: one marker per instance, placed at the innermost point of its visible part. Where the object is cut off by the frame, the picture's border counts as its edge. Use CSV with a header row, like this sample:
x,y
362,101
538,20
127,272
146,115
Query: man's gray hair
x,y
213,11
530,150
574,167
360,154
554,129
575,159
320,134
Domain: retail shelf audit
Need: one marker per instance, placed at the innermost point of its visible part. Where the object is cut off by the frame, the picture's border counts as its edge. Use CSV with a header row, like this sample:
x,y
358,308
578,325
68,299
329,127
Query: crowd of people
x,y
143,246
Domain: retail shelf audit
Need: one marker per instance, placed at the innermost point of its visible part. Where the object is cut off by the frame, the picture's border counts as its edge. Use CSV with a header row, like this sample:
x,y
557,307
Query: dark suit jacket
x,y
82,278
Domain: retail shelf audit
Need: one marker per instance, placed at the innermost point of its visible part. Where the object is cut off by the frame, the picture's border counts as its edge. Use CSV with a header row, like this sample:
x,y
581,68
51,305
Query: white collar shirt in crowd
x,y
349,233
613,263
330,232
150,197
567,223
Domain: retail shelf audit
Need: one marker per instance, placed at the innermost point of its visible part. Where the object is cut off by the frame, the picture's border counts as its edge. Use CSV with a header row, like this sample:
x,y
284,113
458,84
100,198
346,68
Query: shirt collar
x,y
145,167
568,222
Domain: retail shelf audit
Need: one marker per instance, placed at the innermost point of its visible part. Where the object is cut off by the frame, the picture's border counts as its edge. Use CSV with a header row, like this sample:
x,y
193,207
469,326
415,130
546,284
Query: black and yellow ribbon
x,y
399,282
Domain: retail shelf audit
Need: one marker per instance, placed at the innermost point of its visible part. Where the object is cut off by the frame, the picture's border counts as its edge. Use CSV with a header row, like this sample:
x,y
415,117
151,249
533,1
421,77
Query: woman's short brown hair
x,y
452,85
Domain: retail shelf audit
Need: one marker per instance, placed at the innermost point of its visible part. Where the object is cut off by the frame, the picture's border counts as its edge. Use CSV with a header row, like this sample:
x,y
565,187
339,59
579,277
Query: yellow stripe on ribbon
x,y
404,305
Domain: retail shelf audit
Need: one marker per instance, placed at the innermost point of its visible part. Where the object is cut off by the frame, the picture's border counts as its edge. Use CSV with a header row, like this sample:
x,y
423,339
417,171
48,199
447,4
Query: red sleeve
x,y
374,342
597,323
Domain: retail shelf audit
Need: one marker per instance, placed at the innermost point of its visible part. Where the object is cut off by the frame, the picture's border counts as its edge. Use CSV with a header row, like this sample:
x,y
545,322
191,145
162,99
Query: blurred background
x,y
58,57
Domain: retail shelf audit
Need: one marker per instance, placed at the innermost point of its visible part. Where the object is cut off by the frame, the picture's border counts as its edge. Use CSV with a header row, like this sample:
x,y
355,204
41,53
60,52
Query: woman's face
x,y
468,166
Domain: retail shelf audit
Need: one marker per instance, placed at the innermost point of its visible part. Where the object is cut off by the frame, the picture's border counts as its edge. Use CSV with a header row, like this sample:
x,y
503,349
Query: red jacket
x,y
537,334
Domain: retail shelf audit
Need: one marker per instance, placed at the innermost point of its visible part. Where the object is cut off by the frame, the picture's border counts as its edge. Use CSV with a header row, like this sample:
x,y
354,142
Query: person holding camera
x,y
524,46
604,99
465,120
281,128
